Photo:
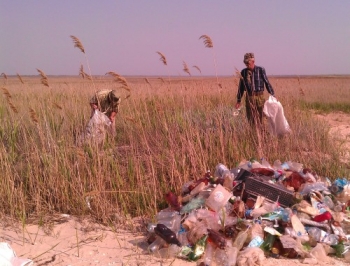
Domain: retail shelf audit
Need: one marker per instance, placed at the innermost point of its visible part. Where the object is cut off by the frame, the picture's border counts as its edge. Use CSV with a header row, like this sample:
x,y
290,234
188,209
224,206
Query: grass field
x,y
169,131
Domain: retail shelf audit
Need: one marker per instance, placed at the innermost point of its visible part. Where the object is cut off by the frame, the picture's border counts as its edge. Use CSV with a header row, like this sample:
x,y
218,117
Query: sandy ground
x,y
73,242
340,130
68,241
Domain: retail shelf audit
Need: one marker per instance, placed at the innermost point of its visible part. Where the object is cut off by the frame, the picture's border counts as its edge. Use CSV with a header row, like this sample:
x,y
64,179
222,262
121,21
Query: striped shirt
x,y
260,81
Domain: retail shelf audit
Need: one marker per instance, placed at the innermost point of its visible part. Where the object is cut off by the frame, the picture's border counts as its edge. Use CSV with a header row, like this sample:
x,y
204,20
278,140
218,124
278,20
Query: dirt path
x,y
340,131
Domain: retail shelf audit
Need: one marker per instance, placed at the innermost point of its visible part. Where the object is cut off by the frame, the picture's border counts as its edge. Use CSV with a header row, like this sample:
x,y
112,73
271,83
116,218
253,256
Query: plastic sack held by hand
x,y
96,128
278,123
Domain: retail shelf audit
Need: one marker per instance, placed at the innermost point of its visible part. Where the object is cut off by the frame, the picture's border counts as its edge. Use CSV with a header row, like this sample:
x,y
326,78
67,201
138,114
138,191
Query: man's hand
x,y
93,106
238,105
112,117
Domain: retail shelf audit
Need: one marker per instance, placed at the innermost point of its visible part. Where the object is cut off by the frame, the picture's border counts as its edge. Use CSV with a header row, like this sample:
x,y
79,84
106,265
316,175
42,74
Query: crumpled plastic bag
x,y
319,253
251,257
8,257
96,129
278,124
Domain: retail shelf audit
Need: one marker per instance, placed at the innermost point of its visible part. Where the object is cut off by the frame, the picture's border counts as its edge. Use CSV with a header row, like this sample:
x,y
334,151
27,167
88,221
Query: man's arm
x,y
266,82
241,89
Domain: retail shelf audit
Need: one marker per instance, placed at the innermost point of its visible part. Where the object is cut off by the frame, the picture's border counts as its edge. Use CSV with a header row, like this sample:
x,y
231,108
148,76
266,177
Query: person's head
x,y
113,100
249,60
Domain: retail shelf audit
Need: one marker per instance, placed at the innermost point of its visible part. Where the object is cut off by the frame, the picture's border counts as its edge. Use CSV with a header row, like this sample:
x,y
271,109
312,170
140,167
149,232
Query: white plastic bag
x,y
97,126
277,121
8,257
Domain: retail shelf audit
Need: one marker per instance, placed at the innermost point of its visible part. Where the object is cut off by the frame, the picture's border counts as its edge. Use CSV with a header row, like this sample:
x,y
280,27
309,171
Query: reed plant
x,y
165,138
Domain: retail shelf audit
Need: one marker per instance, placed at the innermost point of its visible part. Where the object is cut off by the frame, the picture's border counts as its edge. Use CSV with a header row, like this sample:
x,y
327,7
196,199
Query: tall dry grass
x,y
165,137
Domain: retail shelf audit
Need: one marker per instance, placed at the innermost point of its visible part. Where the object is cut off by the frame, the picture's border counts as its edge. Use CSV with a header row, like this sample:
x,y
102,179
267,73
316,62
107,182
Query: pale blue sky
x,y
299,37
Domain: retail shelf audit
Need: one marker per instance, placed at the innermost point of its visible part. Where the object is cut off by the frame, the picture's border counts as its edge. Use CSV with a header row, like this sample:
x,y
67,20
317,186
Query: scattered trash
x,y
241,216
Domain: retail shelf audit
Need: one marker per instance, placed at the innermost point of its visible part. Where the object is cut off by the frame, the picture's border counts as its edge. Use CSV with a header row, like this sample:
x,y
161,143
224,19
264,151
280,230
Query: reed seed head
x,y
20,78
4,75
185,69
44,80
78,44
207,41
196,67
118,78
113,74
6,92
33,116
162,58
13,108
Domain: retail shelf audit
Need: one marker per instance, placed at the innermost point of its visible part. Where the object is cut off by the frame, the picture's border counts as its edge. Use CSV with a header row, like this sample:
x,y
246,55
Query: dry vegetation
x,y
167,134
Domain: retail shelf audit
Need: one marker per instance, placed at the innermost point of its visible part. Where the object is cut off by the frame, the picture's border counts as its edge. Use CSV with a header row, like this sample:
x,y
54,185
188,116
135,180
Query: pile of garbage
x,y
242,215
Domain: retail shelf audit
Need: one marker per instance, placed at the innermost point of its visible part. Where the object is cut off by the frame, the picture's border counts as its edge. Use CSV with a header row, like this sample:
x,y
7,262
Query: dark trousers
x,y
254,108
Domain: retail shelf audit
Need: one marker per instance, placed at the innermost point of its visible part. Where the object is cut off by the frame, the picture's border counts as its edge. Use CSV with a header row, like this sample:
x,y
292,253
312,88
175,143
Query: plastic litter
x,y
243,215
250,257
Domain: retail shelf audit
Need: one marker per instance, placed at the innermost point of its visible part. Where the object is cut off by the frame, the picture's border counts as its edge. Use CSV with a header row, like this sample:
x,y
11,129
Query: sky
x,y
296,37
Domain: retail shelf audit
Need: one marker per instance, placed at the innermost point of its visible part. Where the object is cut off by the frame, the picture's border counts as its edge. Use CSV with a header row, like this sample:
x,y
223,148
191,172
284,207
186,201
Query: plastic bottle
x,y
150,227
240,239
194,204
173,201
270,206
173,223
328,201
221,171
168,252
268,242
246,165
199,248
232,253
286,214
326,216
322,236
277,248
165,214
294,166
291,232
166,234
256,242
156,245
265,163
195,191
208,254
221,257
218,240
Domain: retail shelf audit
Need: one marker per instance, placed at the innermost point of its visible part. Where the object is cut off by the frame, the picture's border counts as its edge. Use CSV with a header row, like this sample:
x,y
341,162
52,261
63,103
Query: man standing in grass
x,y
253,79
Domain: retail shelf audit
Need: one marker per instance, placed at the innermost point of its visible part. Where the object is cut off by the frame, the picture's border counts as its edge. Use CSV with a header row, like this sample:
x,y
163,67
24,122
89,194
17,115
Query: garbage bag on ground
x,y
278,123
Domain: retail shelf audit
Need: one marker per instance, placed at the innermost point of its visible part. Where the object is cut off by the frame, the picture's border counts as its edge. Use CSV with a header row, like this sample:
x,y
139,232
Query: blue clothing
x,y
260,80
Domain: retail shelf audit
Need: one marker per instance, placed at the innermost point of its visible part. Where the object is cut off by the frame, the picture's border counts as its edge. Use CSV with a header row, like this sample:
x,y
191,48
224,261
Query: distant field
x,y
169,131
